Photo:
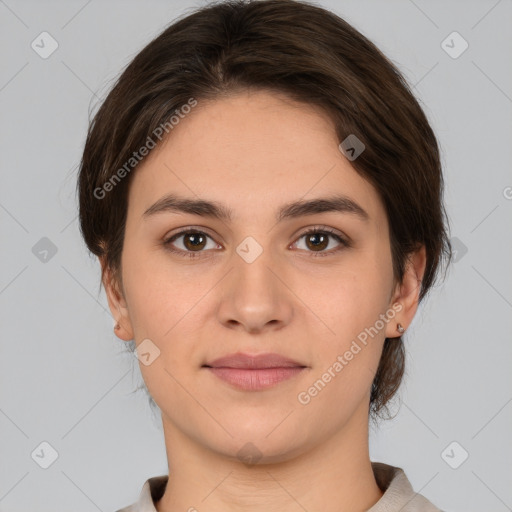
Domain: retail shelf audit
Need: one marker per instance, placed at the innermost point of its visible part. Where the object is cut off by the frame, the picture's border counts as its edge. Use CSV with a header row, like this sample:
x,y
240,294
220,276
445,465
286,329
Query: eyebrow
x,y
295,209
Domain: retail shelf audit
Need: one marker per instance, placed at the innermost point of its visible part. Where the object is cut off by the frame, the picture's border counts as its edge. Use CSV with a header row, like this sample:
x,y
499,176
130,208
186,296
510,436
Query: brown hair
x,y
312,56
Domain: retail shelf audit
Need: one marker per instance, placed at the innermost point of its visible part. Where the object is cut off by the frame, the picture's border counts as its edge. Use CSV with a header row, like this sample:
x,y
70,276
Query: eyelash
x,y
195,254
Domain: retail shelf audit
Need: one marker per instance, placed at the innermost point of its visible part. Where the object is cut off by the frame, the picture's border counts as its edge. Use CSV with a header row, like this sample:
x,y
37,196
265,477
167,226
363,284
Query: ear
x,y
116,303
406,294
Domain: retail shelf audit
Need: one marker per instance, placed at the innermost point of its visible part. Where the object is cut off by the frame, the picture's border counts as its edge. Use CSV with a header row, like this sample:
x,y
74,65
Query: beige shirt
x,y
398,496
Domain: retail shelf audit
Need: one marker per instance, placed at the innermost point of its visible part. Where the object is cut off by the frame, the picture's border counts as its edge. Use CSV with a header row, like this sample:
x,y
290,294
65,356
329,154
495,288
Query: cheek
x,y
351,298
347,359
352,307
344,298
161,304
157,293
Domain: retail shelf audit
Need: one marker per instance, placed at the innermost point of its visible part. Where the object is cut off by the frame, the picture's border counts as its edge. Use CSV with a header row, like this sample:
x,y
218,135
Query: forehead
x,y
251,151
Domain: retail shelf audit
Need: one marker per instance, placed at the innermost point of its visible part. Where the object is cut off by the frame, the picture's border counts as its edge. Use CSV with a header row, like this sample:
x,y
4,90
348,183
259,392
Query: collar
x,y
398,493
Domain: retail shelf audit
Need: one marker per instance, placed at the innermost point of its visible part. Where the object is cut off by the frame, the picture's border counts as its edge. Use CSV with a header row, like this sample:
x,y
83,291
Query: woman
x,y
264,195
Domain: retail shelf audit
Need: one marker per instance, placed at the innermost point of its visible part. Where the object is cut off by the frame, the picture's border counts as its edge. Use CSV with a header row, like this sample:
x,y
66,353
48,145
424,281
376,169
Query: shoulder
x,y
152,490
398,493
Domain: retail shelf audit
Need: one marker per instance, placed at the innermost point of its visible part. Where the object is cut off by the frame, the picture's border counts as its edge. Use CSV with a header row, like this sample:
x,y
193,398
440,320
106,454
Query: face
x,y
256,283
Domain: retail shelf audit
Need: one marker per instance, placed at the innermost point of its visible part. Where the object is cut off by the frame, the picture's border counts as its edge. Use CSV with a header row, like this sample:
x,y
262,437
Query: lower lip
x,y
255,380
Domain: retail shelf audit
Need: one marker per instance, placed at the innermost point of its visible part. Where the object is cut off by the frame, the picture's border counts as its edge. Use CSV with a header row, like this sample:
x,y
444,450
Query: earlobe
x,y
407,293
117,304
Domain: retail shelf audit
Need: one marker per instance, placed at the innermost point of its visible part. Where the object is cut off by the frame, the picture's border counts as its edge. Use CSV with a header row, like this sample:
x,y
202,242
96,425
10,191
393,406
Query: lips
x,y
254,373
255,362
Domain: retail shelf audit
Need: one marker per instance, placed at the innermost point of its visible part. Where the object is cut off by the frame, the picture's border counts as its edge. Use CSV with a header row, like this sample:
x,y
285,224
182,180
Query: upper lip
x,y
240,360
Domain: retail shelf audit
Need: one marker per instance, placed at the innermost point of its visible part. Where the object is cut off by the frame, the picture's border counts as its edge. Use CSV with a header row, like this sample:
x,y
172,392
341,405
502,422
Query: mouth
x,y
254,373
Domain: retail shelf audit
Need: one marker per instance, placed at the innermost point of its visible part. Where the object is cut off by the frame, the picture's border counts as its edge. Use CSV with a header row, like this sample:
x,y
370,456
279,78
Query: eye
x,y
318,239
194,241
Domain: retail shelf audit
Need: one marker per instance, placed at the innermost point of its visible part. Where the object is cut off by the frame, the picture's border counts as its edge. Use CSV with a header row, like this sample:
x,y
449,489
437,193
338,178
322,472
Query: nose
x,y
254,296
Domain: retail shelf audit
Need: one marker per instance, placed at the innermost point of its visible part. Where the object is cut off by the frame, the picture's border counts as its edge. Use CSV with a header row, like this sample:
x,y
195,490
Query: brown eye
x,y
193,241
317,240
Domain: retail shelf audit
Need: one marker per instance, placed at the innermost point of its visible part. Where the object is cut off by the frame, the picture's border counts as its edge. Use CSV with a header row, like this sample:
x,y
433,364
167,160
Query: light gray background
x,y
64,377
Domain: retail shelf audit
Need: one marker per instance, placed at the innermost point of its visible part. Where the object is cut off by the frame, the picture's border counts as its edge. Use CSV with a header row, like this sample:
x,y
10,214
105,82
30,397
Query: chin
x,y
267,445
258,452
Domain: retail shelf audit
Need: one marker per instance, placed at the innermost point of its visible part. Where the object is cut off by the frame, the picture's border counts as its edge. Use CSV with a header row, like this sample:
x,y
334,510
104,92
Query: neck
x,y
332,476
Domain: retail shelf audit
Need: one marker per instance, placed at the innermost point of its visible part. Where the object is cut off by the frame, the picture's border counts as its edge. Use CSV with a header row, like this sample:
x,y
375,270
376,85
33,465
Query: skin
x,y
255,151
